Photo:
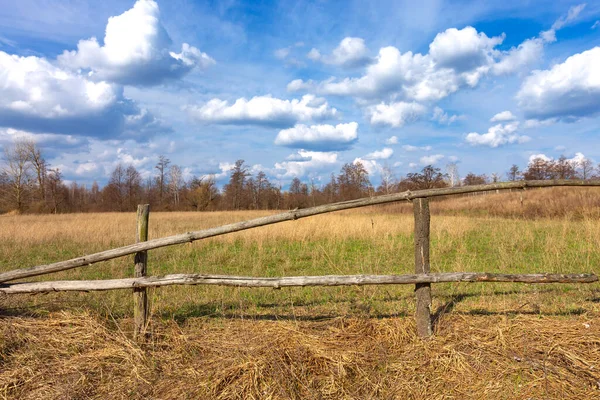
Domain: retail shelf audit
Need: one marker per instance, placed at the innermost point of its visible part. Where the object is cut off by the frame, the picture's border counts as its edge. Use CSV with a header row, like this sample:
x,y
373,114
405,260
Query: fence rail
x,y
287,281
422,277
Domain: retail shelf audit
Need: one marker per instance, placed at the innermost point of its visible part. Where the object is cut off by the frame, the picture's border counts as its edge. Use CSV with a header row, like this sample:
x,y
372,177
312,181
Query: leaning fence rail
x,y
422,277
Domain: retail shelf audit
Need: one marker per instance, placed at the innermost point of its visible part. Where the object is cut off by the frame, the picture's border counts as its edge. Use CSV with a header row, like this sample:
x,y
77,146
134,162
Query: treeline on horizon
x,y
28,184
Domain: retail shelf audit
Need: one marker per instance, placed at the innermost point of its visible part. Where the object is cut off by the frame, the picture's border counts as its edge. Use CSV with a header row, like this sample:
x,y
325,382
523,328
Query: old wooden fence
x,y
422,279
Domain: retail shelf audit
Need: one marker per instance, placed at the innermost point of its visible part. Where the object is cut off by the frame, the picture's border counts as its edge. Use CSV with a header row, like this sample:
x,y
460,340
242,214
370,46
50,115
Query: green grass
x,y
488,245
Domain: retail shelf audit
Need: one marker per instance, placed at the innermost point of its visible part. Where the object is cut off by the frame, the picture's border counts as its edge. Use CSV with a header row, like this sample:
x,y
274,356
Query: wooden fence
x,y
422,279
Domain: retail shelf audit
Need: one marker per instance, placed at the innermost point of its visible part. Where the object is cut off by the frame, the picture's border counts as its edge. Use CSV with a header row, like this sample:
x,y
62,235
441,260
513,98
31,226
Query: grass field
x,y
492,340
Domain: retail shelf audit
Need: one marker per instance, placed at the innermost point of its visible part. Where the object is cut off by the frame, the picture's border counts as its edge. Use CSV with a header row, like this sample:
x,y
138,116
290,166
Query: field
x,y
492,340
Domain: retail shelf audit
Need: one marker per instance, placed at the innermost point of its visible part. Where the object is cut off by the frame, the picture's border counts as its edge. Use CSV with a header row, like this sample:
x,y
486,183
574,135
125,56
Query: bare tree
x,y
452,174
514,174
175,183
55,189
387,180
161,166
19,174
586,167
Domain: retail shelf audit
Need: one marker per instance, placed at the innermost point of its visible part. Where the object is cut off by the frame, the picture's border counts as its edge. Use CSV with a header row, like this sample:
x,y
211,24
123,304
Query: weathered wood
x,y
290,281
140,296
422,290
272,219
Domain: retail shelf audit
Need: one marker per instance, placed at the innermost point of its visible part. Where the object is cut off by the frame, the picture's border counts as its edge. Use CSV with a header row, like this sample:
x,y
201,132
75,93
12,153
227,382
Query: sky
x,y
299,88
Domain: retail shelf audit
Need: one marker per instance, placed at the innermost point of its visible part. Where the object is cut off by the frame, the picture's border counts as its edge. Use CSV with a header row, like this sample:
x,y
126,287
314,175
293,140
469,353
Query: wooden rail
x,y
273,219
422,278
288,281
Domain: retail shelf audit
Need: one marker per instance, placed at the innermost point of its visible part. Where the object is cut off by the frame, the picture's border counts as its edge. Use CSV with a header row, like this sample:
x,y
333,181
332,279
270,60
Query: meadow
x,y
491,341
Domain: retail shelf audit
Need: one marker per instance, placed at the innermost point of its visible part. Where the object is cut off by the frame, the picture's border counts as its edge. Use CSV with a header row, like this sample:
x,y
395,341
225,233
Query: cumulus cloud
x,y
51,143
350,52
263,110
38,96
319,137
569,90
463,50
135,50
408,147
395,114
457,58
371,166
503,116
383,154
432,159
392,140
309,162
442,117
497,135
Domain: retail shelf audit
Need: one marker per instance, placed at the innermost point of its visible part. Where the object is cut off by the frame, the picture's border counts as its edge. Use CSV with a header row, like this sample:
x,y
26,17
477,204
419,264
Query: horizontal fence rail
x,y
273,219
289,281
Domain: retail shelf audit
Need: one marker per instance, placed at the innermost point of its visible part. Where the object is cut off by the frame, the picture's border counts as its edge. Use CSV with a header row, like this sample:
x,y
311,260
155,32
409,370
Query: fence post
x,y
422,290
140,296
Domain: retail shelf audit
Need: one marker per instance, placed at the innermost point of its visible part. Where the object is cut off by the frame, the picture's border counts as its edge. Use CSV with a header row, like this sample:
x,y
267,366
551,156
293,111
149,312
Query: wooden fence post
x,y
140,296
422,290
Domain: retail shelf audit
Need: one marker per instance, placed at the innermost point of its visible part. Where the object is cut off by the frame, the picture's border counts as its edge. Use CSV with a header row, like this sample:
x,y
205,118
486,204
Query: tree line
x,y
28,184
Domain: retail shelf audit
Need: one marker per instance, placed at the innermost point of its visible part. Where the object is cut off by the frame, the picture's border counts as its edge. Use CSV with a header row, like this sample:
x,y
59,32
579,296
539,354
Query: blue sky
x,y
298,88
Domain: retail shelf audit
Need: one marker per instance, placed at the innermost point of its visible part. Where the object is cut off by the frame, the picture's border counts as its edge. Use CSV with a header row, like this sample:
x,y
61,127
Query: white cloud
x,y
392,140
319,137
431,159
309,161
282,53
463,50
536,123
596,24
515,59
383,154
395,114
567,91
413,165
38,96
442,117
457,58
533,157
263,110
503,116
135,50
371,166
497,135
350,52
408,147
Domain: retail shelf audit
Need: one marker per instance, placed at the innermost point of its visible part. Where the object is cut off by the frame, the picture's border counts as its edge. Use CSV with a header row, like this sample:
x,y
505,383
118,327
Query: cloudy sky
x,y
298,88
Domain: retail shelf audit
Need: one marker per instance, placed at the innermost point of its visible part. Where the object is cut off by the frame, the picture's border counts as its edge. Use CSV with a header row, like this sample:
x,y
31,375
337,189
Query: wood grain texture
x,y
276,283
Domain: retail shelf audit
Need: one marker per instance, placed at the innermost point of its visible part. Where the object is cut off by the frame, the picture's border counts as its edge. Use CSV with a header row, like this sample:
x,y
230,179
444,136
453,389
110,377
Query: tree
x,y
19,174
39,166
538,169
587,168
161,166
234,190
116,190
387,180
175,183
452,174
133,187
564,168
514,173
55,189
203,191
353,181
429,178
472,179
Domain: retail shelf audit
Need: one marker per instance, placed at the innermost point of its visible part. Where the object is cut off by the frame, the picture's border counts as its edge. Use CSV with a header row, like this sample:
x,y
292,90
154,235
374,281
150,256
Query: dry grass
x,y
492,341
70,355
